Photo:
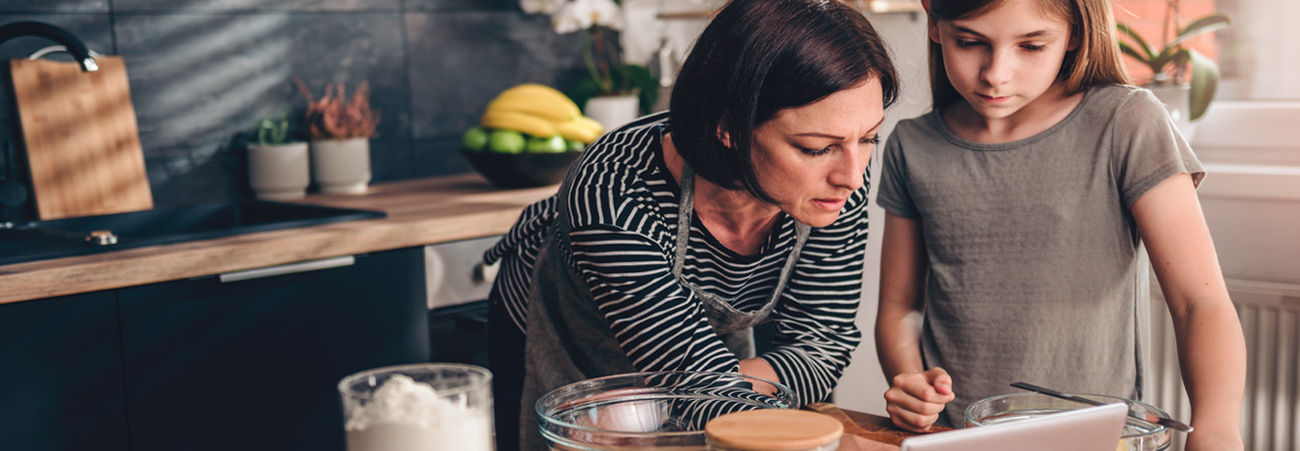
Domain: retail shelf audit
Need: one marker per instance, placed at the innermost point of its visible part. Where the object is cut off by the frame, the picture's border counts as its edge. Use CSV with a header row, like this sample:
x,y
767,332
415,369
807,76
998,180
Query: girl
x,y
674,235
1017,210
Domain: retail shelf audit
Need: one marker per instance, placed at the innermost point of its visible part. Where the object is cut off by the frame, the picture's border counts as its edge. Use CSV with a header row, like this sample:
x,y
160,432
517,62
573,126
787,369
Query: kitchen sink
x,y
69,237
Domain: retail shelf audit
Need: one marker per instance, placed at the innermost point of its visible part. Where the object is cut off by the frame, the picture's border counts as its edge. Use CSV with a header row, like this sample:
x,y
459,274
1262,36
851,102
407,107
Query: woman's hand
x,y
915,400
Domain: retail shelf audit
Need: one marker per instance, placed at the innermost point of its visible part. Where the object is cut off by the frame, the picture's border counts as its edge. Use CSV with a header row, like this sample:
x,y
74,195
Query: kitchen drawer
x,y
454,274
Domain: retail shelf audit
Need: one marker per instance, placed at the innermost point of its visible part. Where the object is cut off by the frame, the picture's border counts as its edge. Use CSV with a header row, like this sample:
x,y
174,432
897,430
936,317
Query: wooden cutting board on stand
x,y
83,145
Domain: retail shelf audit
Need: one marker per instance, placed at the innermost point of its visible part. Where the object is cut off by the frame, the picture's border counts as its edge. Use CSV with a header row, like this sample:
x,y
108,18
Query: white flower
x,y
577,15
540,6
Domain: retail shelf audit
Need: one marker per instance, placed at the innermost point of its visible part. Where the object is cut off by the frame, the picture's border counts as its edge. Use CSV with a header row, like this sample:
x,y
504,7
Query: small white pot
x,y
613,111
279,172
341,166
1178,101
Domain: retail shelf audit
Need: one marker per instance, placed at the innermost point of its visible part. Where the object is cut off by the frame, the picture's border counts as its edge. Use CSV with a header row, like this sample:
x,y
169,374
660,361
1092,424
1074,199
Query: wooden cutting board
x,y
83,145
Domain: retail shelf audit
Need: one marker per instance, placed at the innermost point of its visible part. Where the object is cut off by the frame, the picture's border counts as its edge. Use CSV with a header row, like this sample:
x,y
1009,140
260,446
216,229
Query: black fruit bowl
x,y
522,170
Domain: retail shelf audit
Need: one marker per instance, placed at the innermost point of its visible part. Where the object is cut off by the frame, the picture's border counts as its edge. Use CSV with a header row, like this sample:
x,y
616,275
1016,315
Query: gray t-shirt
x,y
1036,268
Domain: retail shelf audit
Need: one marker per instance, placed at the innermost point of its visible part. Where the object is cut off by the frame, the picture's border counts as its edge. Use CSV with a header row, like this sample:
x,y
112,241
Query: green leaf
x,y
1207,24
1205,82
647,87
1137,39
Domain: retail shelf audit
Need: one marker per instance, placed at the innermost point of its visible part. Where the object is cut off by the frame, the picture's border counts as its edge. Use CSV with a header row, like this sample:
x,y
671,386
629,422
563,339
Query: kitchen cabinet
x,y
61,382
253,364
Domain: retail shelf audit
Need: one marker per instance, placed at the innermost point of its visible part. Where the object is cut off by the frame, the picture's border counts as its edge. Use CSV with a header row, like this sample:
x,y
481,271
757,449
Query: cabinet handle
x,y
291,268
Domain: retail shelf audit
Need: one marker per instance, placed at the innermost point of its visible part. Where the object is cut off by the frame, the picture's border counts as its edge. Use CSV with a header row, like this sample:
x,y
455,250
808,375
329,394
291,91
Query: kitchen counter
x,y
420,212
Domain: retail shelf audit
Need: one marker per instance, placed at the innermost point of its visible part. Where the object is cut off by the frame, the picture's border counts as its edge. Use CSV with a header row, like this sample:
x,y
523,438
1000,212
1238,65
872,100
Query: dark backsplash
x,y
203,71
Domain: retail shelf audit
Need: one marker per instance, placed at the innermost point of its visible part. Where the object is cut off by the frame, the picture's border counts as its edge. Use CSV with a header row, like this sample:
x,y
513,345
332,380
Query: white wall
x,y
863,384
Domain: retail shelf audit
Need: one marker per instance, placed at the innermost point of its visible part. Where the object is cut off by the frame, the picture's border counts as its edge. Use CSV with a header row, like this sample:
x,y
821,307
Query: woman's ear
x,y
1074,42
724,137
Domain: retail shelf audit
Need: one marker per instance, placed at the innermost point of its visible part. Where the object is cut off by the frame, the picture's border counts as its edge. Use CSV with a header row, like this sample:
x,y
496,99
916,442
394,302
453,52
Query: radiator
x,y
1270,318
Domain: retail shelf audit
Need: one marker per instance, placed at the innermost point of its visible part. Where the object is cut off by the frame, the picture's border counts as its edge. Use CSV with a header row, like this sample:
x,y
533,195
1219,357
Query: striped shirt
x,y
622,211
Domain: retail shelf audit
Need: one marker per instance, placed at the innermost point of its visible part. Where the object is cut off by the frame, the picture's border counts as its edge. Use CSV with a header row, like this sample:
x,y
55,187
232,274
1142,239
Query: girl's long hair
x,y
1096,61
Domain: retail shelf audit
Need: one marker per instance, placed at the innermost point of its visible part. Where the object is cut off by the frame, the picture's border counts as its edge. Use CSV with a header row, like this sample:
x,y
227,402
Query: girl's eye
x,y
1034,48
874,140
966,44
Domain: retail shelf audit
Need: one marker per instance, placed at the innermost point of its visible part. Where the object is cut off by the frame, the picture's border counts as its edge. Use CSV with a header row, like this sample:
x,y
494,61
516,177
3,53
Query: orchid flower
x,y
576,15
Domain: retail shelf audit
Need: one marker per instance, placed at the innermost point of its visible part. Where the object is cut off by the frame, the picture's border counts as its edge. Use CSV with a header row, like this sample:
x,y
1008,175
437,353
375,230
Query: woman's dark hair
x,y
758,57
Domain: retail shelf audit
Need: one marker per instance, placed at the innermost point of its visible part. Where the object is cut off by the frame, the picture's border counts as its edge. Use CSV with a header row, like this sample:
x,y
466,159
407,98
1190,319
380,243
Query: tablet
x,y
1090,429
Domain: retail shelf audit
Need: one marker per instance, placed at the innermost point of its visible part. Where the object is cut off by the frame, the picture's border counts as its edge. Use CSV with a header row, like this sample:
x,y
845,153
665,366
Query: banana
x,y
591,124
539,106
542,94
526,123
576,131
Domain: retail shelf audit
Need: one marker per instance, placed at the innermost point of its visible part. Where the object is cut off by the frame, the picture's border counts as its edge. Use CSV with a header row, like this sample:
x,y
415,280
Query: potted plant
x,y
340,129
616,92
277,163
1184,79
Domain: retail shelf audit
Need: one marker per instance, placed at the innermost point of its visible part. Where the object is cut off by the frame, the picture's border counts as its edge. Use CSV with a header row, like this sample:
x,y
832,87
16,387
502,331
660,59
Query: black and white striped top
x,y
622,213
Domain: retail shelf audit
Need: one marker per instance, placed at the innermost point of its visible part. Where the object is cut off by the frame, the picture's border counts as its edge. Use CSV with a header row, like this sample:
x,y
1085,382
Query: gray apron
x,y
569,339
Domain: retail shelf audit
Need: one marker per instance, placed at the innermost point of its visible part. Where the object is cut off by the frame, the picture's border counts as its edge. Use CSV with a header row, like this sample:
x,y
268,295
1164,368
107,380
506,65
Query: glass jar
x,y
774,430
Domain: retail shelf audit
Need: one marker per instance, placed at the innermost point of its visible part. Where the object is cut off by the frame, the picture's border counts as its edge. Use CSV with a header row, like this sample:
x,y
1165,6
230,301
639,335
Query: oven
x,y
457,286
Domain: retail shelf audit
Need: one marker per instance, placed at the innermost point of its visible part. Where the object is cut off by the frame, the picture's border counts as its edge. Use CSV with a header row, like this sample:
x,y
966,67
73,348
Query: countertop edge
x,y
420,212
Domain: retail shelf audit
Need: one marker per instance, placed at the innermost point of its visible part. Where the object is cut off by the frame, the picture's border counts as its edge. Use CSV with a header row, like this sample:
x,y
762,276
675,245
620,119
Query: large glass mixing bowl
x,y
640,411
1139,435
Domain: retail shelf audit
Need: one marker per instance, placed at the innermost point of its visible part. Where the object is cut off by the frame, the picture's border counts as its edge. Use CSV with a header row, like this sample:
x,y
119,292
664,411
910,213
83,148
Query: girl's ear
x,y
1074,42
933,28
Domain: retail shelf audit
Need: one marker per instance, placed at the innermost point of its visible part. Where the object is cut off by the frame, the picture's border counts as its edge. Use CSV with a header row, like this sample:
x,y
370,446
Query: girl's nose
x,y
998,70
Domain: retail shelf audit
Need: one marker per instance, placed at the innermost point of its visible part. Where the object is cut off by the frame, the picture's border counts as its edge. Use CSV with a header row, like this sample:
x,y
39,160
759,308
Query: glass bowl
x,y
1140,435
663,410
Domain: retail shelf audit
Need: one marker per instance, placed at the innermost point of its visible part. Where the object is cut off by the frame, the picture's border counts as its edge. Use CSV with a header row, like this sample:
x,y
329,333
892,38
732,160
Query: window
x,y
1256,54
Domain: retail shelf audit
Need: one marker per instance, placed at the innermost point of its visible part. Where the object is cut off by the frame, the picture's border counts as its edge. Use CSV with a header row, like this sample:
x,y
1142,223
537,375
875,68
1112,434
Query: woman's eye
x,y
968,44
872,140
1034,48
815,152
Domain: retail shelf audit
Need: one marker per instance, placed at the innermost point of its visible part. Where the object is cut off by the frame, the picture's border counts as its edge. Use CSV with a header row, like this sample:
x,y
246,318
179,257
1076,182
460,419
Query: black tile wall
x,y
203,71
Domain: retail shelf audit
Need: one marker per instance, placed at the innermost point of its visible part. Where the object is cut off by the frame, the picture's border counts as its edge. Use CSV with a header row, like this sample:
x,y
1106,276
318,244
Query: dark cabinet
x,y
253,364
61,375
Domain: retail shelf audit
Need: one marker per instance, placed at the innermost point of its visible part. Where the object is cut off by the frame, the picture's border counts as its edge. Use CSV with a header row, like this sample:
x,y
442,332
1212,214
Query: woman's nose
x,y
848,172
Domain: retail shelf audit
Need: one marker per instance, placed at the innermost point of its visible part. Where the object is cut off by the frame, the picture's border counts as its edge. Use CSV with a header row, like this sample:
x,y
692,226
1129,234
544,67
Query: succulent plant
x,y
275,130
1170,61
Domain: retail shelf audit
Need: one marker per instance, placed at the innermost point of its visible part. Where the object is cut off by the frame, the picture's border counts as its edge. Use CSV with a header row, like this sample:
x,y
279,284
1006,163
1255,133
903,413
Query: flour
x,y
406,415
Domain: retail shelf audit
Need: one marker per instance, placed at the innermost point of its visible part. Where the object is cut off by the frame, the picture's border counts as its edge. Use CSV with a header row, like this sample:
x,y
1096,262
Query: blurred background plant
x,y
334,116
609,74
1173,64
276,130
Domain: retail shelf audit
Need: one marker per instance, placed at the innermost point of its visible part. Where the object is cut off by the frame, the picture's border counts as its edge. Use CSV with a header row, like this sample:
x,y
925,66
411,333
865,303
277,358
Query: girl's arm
x,y
916,397
1211,348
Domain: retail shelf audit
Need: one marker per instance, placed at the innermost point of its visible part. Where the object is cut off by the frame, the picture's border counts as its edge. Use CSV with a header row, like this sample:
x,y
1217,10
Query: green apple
x,y
576,146
554,144
506,141
475,139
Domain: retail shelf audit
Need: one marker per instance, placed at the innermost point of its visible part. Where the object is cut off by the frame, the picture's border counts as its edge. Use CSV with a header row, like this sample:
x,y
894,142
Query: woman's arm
x,y
916,397
1211,348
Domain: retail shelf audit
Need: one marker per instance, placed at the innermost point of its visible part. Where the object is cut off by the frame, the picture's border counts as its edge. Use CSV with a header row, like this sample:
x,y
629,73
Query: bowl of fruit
x,y
529,136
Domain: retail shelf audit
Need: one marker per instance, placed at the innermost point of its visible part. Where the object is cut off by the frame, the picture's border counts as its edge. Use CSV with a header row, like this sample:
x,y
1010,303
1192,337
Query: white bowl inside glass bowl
x,y
664,410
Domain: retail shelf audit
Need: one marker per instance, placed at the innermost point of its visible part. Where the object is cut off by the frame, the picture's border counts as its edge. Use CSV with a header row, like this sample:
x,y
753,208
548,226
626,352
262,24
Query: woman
x,y
674,235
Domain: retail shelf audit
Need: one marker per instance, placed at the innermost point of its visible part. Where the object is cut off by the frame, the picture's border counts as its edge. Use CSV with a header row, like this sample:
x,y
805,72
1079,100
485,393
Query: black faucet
x,y
70,41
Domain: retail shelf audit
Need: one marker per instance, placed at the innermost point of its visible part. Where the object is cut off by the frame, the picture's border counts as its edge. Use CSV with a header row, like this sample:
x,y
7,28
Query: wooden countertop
x,y
420,212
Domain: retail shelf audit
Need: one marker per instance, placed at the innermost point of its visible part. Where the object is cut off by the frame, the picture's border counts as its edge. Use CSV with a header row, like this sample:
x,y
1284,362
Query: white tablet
x,y
1091,429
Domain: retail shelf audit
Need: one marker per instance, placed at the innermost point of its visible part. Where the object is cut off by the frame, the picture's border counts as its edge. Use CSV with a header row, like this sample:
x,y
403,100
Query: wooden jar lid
x,y
773,430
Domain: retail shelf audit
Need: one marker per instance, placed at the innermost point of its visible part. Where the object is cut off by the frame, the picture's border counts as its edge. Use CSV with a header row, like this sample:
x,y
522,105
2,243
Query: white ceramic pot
x,y
279,172
1177,100
613,111
341,166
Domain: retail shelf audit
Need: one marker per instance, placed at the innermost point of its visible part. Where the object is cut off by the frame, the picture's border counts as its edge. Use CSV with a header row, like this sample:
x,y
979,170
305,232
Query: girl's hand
x,y
915,400
1205,440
